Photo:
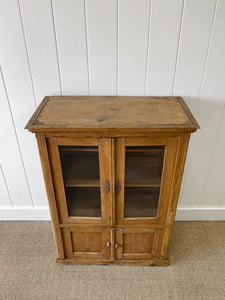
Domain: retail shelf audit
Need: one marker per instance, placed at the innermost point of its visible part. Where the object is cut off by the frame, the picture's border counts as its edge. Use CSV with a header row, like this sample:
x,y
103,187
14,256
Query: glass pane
x,y
80,167
83,201
143,172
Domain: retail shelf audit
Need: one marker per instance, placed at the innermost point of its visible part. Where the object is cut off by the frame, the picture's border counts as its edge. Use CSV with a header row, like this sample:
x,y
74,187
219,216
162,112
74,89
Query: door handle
x,y
106,186
118,187
108,245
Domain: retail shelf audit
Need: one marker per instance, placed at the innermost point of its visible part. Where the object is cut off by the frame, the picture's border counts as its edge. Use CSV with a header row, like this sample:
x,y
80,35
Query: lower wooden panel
x,y
83,242
138,243
103,245
150,262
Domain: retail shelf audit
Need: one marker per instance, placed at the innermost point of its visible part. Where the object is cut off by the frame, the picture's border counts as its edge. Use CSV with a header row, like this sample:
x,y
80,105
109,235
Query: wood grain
x,y
50,191
115,202
108,113
182,152
139,243
88,242
105,153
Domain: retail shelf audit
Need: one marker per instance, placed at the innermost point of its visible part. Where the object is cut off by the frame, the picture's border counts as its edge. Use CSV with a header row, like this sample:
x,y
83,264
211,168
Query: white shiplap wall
x,y
112,47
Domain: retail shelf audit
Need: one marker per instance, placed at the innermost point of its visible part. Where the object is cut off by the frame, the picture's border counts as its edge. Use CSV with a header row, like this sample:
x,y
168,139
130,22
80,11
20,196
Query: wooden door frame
x,y
170,158
67,232
156,247
104,145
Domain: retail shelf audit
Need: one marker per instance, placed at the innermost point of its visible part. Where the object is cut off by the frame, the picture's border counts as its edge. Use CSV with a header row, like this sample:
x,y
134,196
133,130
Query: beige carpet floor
x,y
28,269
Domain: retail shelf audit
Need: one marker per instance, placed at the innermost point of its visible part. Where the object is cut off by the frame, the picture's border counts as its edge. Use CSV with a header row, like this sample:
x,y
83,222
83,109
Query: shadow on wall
x,y
203,182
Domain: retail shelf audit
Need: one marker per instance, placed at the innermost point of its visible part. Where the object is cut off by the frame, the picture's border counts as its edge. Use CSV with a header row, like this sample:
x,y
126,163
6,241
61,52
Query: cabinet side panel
x,y
50,192
182,152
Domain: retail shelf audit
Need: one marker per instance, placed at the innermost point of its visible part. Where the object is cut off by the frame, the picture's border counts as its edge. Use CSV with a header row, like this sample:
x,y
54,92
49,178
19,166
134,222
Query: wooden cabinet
x,y
113,168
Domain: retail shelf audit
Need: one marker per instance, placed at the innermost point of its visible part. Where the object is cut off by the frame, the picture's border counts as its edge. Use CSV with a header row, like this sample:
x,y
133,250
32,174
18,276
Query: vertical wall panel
x,y
105,47
164,31
10,157
101,18
72,50
193,104
213,88
133,22
214,91
4,195
18,84
195,33
199,155
223,202
209,116
39,33
214,188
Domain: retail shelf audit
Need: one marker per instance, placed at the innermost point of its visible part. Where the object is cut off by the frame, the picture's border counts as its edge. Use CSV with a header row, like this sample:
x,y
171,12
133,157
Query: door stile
x,y
112,244
119,179
67,242
113,168
58,179
119,243
106,182
167,178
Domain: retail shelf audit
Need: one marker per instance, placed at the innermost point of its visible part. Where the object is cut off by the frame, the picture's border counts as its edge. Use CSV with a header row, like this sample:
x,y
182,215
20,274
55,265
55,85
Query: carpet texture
x,y
28,269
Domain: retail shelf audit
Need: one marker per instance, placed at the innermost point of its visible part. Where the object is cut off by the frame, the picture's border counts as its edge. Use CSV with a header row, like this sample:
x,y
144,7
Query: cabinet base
x,y
153,262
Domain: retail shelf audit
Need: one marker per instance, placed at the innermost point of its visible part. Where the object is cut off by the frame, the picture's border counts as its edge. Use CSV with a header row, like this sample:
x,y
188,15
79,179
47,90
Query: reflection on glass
x,y
143,172
80,168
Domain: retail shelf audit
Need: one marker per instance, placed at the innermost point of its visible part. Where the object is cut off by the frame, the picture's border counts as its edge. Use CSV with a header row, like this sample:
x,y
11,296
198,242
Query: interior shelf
x,y
80,149
140,182
154,149
82,182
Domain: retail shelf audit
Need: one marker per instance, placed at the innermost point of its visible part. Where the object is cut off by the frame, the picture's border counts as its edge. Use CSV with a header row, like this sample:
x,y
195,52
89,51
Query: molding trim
x,y
24,214
200,214
42,214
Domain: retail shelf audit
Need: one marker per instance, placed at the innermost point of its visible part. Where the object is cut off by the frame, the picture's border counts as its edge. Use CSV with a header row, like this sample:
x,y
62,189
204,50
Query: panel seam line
x,y
148,44
178,46
17,139
56,46
27,54
87,46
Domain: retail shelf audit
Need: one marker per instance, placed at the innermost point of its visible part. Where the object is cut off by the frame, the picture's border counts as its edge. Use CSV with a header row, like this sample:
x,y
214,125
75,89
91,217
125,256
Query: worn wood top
x,y
77,113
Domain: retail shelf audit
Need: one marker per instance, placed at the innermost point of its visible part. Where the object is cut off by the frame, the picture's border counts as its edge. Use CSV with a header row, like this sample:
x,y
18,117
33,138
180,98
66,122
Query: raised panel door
x,y
138,243
85,242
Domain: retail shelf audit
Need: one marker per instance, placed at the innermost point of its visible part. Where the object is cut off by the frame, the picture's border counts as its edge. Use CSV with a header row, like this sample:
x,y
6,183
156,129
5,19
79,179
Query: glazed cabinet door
x,y
81,170
143,179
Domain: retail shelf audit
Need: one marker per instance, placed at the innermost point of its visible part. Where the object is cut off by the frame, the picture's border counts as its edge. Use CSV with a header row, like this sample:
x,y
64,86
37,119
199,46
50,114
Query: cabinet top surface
x,y
77,113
